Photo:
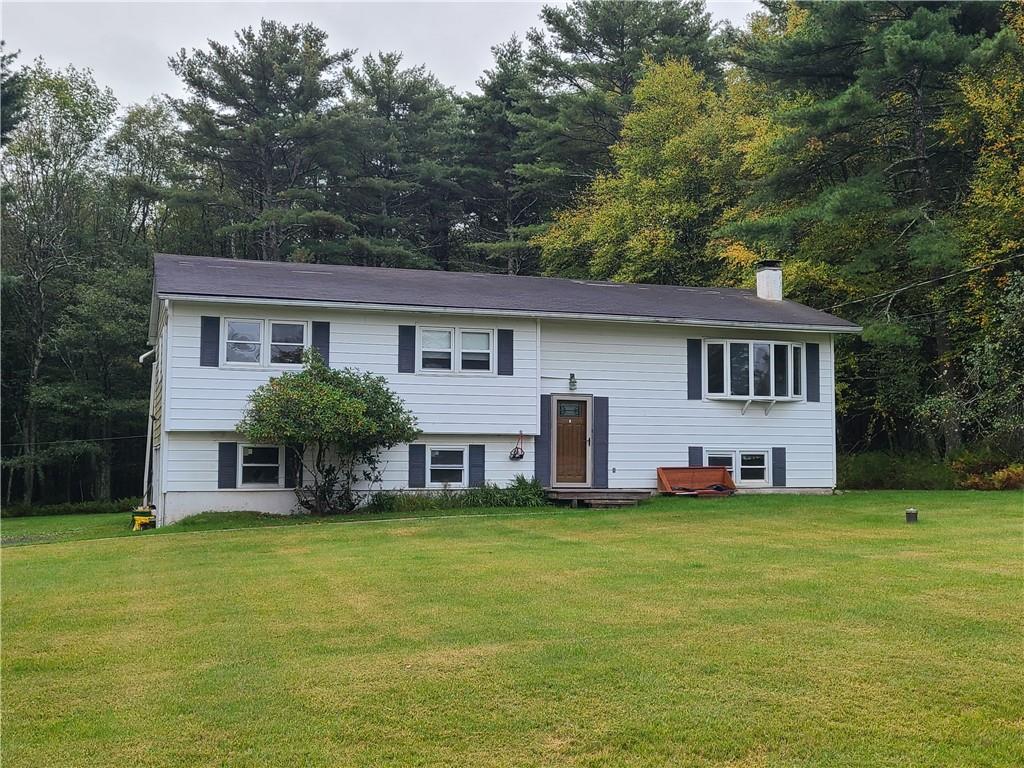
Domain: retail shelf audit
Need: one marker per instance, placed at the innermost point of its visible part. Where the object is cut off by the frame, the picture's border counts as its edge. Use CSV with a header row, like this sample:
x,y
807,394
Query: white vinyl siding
x,y
642,371
192,464
445,402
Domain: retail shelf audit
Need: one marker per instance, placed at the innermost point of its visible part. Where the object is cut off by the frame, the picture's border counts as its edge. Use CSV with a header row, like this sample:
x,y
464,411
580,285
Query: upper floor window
x,y
476,350
287,340
765,370
243,341
259,342
457,349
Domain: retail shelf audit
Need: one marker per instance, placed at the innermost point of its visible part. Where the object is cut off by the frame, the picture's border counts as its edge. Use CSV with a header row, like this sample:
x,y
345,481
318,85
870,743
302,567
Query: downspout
x,y
165,447
146,494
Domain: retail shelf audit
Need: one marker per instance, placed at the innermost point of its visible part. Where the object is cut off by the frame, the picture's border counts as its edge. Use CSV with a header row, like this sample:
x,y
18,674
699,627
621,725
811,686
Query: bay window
x,y
753,370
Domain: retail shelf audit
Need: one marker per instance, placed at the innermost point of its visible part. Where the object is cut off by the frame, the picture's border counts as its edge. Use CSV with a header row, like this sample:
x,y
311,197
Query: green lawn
x,y
756,631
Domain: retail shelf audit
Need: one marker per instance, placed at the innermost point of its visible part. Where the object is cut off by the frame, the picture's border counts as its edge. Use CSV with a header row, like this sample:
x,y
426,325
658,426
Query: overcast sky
x,y
127,44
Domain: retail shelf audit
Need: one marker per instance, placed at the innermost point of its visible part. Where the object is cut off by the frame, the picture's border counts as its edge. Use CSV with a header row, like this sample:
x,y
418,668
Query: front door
x,y
572,441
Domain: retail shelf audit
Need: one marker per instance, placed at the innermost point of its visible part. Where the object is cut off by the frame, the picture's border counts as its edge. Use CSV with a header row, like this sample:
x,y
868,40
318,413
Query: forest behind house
x,y
876,148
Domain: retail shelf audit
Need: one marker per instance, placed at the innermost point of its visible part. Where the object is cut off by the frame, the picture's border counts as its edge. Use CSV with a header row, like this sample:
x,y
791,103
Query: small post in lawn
x,y
911,514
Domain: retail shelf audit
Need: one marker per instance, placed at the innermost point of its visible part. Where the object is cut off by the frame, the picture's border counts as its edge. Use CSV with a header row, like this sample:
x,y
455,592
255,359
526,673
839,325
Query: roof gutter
x,y
369,307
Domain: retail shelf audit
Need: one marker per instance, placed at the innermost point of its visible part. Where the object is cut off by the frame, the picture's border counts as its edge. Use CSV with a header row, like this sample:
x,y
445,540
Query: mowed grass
x,y
756,631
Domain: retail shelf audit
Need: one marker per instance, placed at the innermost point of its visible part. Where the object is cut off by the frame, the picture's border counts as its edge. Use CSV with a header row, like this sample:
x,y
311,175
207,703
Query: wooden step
x,y
598,497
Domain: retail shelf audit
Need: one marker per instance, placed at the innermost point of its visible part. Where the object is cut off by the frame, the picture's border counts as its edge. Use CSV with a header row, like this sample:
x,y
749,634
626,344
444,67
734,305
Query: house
x,y
598,383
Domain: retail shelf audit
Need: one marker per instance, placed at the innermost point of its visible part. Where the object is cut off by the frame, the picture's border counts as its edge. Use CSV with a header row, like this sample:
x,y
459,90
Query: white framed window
x,y
437,349
715,367
720,459
475,347
746,467
447,466
287,342
456,350
753,370
243,341
261,466
753,467
259,342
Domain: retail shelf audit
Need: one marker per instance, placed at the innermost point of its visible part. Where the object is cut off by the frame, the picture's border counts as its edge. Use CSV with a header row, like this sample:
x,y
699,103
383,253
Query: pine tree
x,y
502,214
677,169
12,94
256,120
585,65
862,176
396,174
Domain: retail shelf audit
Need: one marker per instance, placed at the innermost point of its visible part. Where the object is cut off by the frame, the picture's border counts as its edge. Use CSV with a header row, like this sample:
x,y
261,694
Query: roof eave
x,y
372,307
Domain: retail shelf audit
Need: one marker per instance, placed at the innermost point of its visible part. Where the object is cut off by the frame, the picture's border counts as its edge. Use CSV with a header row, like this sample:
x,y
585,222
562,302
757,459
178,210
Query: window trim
x,y
736,454
242,485
456,351
306,343
751,397
266,329
465,466
491,351
225,323
767,468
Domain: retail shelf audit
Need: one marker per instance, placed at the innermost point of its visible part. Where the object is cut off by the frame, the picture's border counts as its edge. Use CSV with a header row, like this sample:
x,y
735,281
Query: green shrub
x,y
1009,478
985,468
521,492
70,508
882,470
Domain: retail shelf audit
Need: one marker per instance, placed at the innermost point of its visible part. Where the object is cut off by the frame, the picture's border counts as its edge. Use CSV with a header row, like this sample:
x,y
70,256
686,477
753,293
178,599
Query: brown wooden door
x,y
571,441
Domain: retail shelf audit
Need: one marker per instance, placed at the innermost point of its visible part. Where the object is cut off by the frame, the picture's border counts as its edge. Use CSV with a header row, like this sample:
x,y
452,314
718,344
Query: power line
x,y
925,282
83,440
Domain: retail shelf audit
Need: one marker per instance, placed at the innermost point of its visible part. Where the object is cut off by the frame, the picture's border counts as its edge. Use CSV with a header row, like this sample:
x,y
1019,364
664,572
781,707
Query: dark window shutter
x,y
694,370
476,466
505,351
542,446
696,456
292,466
322,340
209,341
779,467
227,465
600,443
407,349
813,374
417,466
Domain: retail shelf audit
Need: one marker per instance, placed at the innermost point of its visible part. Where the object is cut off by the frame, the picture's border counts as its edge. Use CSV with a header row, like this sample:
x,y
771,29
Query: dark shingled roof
x,y
205,276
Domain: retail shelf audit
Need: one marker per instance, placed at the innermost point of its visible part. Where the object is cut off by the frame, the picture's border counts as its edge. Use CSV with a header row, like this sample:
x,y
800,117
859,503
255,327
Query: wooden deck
x,y
598,497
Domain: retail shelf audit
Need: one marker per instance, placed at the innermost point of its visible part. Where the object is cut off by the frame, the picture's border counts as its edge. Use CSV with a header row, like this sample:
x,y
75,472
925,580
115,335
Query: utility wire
x,y
83,440
926,282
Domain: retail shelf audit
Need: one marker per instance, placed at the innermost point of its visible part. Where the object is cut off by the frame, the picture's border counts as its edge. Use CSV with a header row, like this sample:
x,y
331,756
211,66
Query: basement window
x,y
260,465
447,466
